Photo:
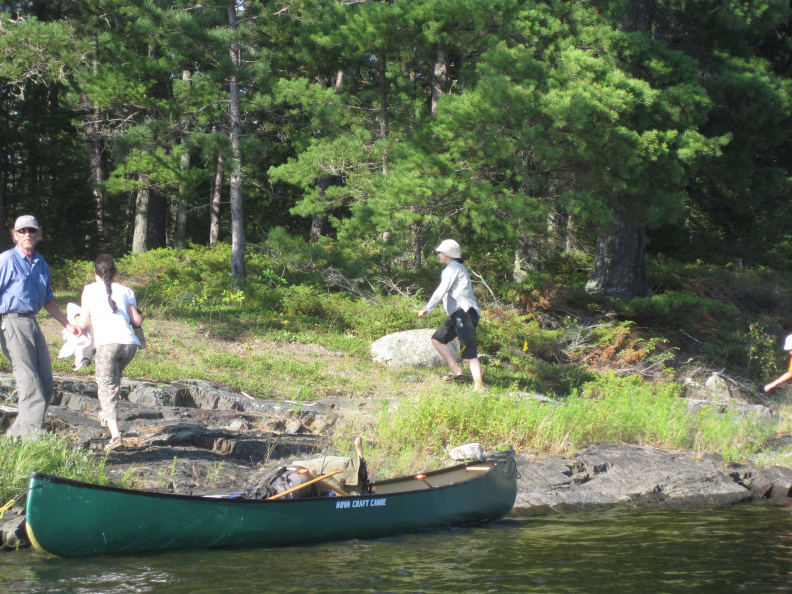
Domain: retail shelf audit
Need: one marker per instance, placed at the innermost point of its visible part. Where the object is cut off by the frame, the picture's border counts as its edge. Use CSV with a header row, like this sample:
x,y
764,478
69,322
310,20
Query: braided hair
x,y
104,268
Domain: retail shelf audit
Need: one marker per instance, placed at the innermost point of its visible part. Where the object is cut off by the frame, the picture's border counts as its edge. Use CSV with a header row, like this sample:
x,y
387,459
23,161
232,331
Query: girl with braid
x,y
112,308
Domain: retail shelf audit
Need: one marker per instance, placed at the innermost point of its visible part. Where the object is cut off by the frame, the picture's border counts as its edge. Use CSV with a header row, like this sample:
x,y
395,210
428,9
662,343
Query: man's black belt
x,y
29,314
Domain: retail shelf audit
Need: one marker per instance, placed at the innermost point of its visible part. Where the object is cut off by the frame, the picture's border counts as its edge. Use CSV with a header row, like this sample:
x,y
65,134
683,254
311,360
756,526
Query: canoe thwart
x,y
422,478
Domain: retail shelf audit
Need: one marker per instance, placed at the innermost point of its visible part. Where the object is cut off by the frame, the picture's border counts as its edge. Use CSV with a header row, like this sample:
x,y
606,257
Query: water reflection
x,y
744,548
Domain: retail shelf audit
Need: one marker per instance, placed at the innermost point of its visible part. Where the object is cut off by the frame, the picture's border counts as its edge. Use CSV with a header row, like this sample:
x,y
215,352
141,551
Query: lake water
x,y
746,548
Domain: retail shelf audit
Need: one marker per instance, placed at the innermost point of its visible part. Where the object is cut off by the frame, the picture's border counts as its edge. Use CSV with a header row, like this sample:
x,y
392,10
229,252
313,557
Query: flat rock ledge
x,y
195,437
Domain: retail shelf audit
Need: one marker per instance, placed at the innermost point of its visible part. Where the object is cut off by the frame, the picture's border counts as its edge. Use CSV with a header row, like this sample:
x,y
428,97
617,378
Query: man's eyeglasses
x,y
28,230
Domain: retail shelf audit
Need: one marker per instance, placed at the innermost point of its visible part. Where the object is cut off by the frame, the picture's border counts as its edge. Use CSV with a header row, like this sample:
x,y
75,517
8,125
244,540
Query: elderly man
x,y
24,290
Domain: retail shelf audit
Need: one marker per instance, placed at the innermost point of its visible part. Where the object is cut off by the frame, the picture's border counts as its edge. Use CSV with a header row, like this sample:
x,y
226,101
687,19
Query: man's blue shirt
x,y
24,284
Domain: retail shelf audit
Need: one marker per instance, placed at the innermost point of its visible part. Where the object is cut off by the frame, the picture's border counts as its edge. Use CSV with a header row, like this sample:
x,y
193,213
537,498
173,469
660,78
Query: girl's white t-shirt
x,y
109,327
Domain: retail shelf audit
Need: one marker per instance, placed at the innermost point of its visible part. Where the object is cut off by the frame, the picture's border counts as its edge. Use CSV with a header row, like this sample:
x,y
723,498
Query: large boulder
x,y
411,348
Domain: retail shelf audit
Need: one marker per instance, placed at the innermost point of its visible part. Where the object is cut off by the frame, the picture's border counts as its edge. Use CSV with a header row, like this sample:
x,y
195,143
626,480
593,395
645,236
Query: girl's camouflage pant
x,y
111,360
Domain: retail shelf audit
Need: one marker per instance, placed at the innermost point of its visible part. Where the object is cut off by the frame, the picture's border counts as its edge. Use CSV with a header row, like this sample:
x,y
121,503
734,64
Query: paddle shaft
x,y
335,490
305,484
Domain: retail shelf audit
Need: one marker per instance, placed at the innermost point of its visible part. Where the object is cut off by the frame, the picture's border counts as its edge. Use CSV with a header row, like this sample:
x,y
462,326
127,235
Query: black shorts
x,y
462,325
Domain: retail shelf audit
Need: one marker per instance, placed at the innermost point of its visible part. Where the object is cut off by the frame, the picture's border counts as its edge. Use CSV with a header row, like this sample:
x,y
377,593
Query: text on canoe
x,y
360,503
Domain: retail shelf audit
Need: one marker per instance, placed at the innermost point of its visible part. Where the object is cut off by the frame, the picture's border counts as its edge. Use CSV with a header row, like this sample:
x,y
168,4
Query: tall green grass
x,y
49,454
607,410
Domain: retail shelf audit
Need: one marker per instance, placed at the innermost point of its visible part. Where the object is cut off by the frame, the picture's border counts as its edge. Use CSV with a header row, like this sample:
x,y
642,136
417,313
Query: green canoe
x,y
69,518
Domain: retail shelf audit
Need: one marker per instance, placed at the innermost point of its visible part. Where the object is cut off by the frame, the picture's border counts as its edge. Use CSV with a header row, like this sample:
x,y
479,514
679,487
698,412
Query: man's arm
x,y
53,310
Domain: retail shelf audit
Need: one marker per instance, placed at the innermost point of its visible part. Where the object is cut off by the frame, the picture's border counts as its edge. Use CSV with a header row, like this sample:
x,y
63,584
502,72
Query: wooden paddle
x,y
310,482
335,490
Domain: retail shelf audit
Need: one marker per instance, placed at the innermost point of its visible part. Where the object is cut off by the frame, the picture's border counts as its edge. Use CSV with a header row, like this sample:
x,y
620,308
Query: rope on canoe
x,y
11,503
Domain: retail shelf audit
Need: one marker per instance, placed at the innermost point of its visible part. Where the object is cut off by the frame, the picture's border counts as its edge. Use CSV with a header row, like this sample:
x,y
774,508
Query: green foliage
x,y
301,300
373,320
50,454
675,309
753,353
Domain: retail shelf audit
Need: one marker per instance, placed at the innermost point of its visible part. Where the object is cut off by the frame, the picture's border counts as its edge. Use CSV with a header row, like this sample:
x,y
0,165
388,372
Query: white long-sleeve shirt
x,y
455,290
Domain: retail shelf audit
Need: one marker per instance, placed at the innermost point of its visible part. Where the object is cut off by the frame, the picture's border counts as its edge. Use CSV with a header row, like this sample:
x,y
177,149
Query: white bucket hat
x,y
450,248
788,343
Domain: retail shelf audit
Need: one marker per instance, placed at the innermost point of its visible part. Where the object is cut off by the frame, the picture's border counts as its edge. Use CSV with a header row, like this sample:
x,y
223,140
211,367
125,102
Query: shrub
x,y
302,300
676,310
374,319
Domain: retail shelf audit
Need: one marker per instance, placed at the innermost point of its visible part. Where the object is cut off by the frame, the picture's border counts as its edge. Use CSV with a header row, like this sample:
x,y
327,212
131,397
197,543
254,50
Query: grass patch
x,y
49,454
608,410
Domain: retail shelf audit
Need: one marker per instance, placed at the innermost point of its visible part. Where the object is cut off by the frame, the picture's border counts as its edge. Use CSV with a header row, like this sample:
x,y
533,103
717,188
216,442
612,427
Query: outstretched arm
x,y
787,376
53,310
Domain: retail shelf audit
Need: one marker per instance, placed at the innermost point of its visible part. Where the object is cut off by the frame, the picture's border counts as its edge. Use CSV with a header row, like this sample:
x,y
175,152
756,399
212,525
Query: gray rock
x,y
761,413
150,394
325,422
780,479
718,386
238,425
12,530
294,425
82,403
411,348
609,475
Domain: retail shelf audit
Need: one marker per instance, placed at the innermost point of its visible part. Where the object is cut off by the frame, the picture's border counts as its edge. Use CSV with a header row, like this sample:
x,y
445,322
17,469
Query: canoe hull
x,y
72,519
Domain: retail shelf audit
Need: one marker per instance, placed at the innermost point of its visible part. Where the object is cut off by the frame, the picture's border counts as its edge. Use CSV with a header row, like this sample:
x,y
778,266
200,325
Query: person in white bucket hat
x,y
456,293
788,374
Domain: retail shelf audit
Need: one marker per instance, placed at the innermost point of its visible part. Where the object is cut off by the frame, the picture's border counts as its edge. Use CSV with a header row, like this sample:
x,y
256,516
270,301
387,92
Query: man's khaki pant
x,y
24,345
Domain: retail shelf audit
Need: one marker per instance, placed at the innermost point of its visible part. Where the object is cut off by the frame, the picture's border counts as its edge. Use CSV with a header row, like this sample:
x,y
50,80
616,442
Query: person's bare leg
x,y
112,426
448,356
475,371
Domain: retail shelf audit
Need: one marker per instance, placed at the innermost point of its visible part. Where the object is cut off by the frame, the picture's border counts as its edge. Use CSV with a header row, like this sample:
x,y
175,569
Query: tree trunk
x,y
214,201
93,141
179,210
140,234
639,15
320,222
527,256
383,97
619,266
157,220
440,76
237,222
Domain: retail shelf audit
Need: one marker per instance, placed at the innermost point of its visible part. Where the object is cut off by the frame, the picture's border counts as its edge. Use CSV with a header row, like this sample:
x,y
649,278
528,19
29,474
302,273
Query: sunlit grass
x,y
50,454
610,410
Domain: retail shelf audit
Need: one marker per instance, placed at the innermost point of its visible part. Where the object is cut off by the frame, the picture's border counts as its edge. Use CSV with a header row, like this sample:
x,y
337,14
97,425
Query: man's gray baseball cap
x,y
26,221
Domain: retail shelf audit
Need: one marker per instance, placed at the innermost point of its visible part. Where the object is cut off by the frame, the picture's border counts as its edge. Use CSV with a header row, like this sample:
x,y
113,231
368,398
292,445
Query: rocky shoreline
x,y
194,437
